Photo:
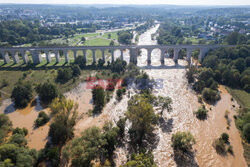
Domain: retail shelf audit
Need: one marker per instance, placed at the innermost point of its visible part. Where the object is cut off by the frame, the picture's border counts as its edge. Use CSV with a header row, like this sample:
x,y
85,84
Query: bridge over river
x,y
134,50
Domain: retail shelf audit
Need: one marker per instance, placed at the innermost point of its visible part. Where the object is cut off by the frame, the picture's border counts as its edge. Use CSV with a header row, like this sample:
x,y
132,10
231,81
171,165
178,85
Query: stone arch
x,y
168,57
182,53
117,54
156,57
195,55
89,57
142,57
126,55
99,56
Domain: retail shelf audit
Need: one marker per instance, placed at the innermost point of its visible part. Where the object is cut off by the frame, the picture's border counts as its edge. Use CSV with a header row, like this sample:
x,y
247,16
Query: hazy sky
x,y
177,2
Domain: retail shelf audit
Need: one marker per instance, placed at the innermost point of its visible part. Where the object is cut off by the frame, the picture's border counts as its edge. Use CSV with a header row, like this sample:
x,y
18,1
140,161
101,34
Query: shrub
x,y
182,141
42,119
201,113
22,131
219,145
230,149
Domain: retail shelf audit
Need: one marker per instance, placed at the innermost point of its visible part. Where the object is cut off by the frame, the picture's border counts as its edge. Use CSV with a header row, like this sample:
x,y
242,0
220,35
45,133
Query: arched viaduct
x,y
35,52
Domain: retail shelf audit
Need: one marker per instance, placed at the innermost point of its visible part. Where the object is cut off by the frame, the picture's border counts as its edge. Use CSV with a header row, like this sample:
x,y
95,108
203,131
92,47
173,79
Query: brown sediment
x,y
37,137
212,128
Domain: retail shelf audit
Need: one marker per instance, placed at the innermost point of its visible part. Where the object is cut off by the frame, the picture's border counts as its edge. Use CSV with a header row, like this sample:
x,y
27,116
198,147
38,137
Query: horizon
x,y
133,2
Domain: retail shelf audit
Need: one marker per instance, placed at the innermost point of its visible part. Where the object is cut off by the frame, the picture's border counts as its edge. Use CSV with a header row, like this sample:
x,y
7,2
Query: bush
x,y
201,113
219,145
22,131
210,95
246,132
42,119
182,141
225,137
21,95
47,92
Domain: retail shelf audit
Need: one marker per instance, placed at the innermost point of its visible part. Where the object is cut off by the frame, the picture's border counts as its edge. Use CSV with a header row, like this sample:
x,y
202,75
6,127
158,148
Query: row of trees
x,y
228,66
22,93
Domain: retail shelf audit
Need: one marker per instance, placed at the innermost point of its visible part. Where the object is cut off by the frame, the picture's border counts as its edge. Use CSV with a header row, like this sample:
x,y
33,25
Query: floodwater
x,y
182,118
37,137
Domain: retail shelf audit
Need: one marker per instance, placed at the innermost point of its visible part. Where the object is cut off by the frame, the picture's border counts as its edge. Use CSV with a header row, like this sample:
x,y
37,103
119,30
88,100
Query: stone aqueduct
x,y
133,50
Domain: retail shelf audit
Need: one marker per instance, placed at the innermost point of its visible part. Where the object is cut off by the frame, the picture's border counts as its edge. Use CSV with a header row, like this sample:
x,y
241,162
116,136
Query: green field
x,y
97,42
36,76
242,97
114,35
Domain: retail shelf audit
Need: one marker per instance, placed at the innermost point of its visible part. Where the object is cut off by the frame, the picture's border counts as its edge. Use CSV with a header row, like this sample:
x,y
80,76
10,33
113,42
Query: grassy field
x,y
242,97
113,35
36,76
97,42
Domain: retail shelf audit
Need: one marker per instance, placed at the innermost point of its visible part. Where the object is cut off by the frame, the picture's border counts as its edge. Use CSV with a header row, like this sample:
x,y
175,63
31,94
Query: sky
x,y
138,2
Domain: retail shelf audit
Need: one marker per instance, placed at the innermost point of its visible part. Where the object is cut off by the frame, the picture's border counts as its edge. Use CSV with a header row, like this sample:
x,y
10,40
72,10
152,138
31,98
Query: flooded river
x,y
180,119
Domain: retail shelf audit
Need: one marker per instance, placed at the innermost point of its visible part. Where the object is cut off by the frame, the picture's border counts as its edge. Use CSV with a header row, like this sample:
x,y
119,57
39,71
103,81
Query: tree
x,y
182,141
47,92
125,38
18,156
246,132
76,70
21,94
98,96
109,36
64,74
118,66
65,119
83,39
86,148
80,61
201,113
210,61
210,95
240,64
141,114
112,43
225,137
232,39
5,127
18,139
165,103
